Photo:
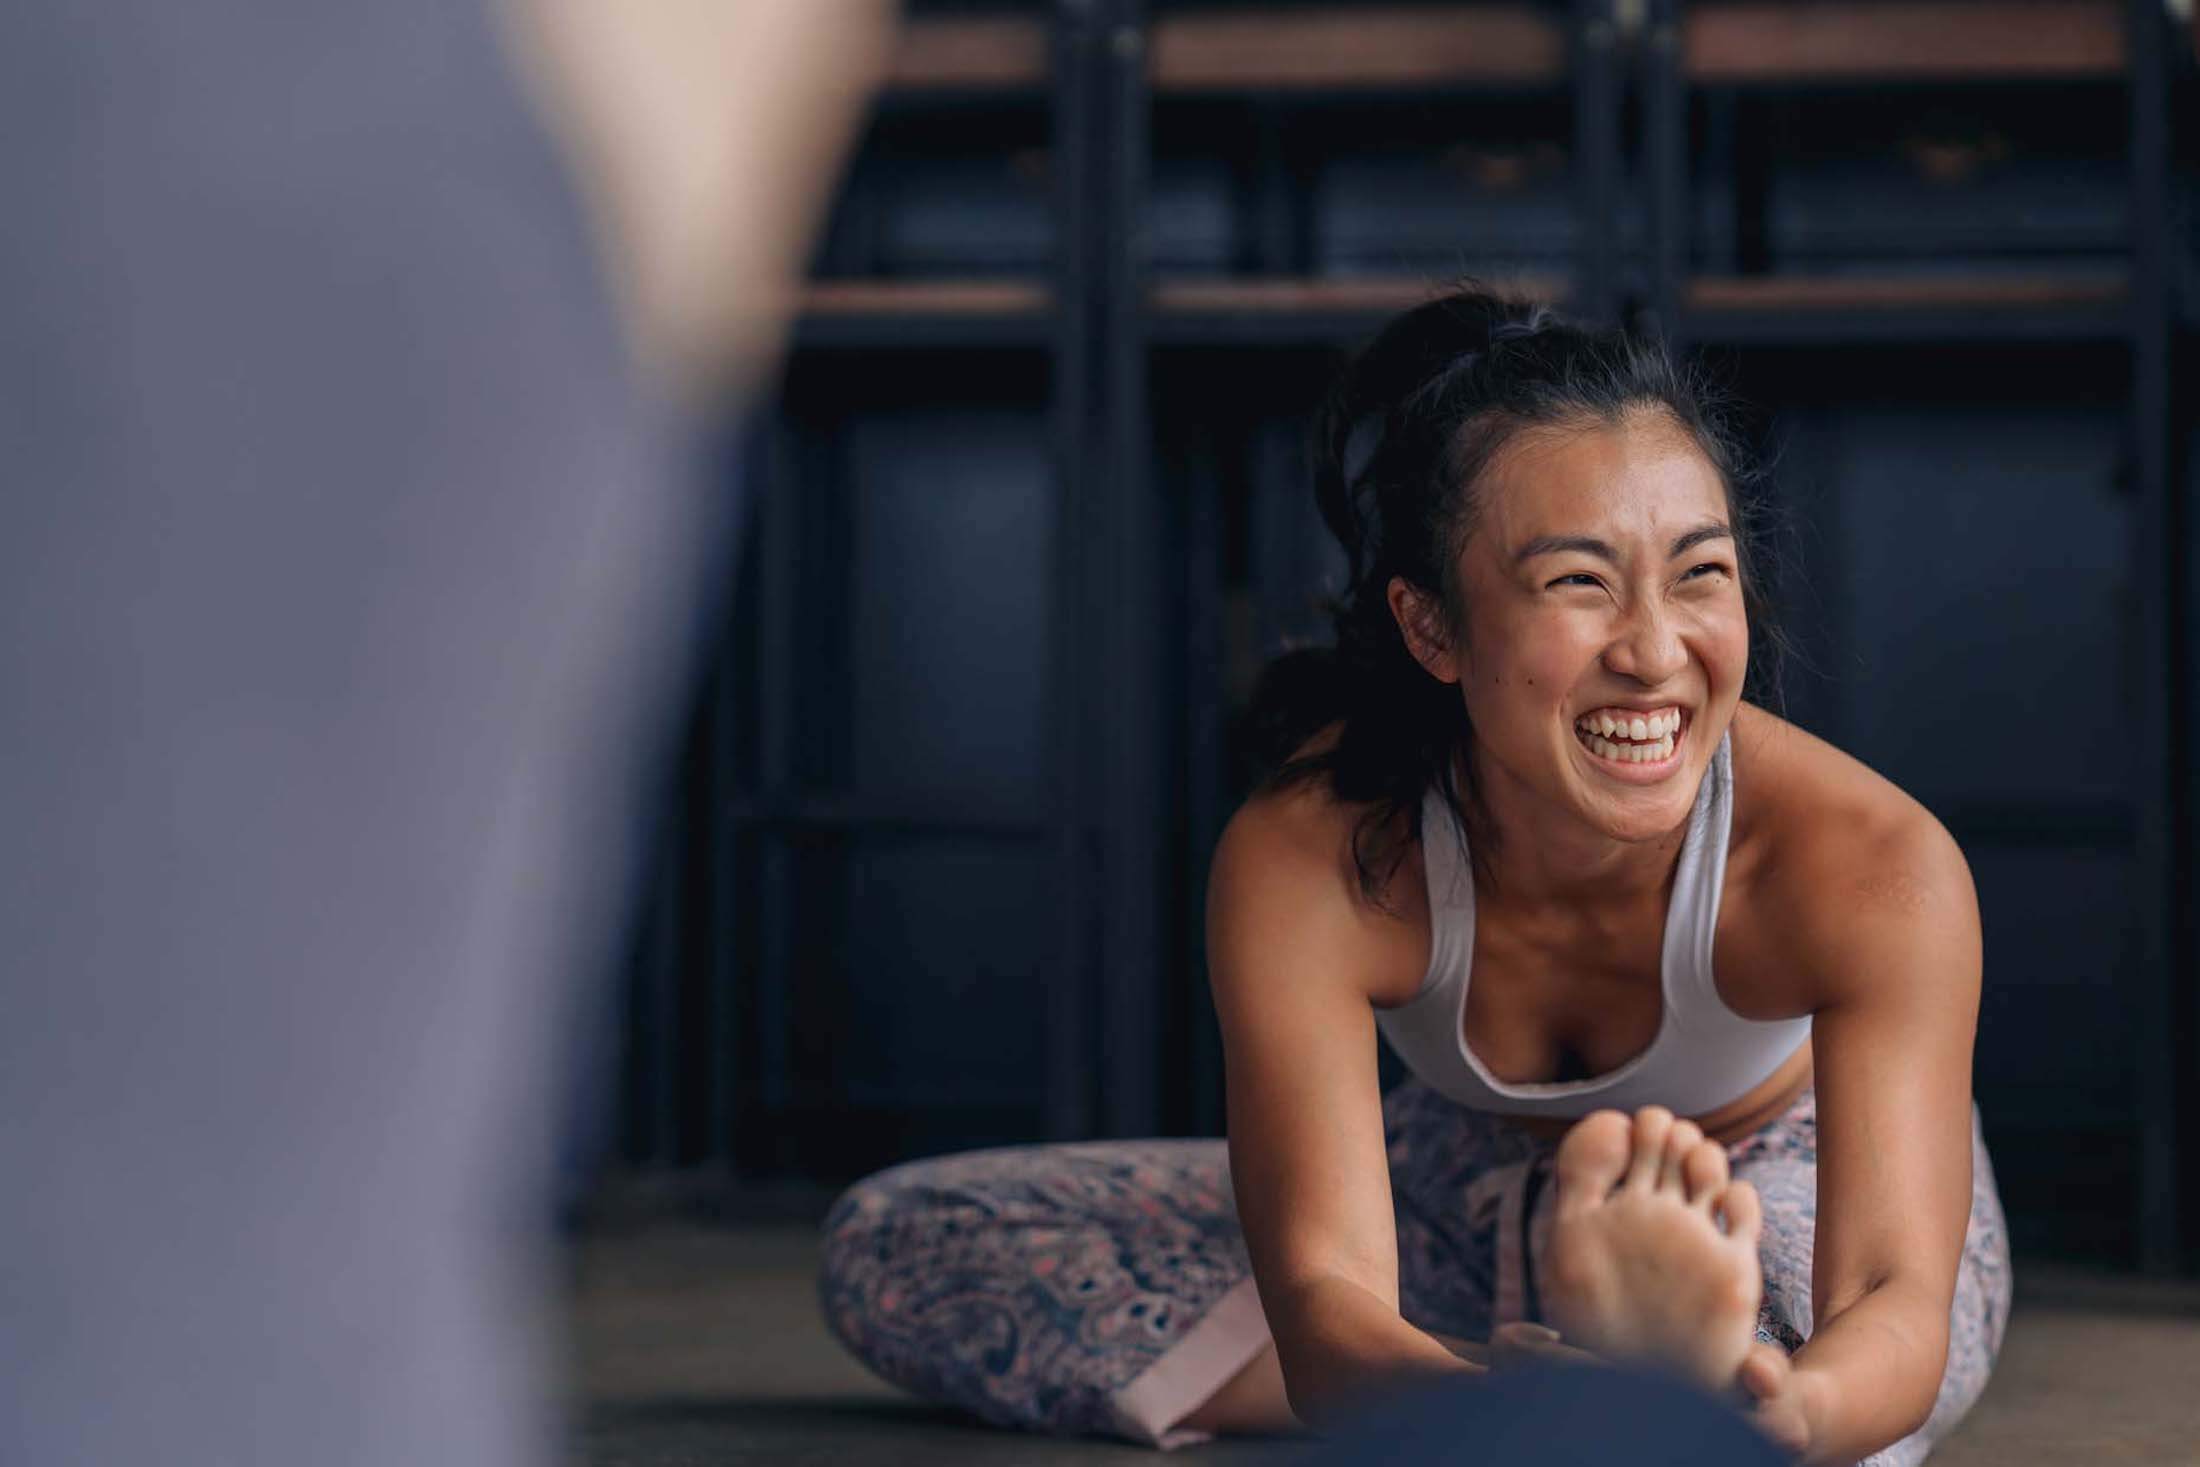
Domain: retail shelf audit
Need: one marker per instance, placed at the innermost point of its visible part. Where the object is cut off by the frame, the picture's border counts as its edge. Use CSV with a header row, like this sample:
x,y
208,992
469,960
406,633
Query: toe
x,y
1591,1159
1652,1124
1703,1172
1744,1215
1684,1137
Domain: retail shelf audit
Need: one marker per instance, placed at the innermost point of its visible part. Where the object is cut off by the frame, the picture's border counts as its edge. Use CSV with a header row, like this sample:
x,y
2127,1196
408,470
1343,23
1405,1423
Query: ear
x,y
1421,622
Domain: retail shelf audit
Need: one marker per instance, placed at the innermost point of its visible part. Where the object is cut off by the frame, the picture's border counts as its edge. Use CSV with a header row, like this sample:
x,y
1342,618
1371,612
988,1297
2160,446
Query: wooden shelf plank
x,y
1857,40
969,53
925,298
1352,293
1286,296
1299,311
1842,293
1357,46
937,314
1831,309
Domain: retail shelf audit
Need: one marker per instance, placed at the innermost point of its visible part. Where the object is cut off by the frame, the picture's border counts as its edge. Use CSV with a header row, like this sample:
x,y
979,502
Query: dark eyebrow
x,y
1590,545
1553,544
1697,536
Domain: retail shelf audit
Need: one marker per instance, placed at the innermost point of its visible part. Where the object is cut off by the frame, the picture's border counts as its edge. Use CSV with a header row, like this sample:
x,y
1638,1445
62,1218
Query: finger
x,y
1764,1370
1515,1346
1471,1351
1783,1424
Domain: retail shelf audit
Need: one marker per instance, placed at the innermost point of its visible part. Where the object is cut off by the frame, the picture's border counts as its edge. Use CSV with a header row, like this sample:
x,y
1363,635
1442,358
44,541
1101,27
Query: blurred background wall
x,y
1032,510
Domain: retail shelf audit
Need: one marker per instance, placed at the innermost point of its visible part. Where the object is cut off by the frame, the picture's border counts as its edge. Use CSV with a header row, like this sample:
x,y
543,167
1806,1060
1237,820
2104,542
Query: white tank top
x,y
1704,1056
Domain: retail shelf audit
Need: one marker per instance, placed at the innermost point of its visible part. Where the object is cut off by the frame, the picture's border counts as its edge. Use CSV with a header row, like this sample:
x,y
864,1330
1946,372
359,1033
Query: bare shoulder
x,y
1838,866
1284,887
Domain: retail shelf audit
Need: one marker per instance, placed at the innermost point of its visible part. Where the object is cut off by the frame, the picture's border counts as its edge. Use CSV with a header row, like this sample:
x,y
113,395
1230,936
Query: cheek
x,y
1723,634
1535,661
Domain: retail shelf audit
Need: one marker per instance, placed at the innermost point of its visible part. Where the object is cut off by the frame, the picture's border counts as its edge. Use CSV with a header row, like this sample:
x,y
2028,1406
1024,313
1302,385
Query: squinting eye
x,y
1710,565
1578,579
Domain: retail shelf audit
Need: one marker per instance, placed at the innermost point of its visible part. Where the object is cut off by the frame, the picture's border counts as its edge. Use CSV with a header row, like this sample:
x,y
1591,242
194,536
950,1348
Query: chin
x,y
1639,805
1639,825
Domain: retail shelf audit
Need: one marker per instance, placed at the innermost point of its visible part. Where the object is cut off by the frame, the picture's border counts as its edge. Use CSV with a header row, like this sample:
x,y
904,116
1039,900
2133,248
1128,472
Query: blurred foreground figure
x,y
344,557
1574,1416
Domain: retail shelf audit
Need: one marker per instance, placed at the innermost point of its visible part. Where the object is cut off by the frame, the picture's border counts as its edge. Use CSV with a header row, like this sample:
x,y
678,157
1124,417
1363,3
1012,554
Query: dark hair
x,y
1399,453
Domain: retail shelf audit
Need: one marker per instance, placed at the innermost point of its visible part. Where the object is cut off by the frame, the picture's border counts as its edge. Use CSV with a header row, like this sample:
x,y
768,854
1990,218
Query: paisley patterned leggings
x,y
1104,1287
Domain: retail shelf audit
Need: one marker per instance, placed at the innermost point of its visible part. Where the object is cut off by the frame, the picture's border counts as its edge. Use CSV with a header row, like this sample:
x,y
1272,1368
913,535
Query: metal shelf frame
x,y
2141,317
1137,620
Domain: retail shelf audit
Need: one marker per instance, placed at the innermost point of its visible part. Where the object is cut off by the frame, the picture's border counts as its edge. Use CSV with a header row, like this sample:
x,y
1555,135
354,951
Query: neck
x,y
1538,854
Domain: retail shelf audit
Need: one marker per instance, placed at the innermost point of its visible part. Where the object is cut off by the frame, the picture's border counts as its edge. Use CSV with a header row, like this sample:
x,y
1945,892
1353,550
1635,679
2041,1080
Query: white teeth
x,y
1637,728
1630,753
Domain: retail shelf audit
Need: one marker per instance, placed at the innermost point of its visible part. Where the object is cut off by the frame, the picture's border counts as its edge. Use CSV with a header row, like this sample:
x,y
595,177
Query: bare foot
x,y
1638,1266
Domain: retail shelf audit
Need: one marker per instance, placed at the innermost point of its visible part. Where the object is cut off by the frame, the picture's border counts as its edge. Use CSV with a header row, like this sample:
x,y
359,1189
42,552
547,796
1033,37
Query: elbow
x,y
1312,1393
1933,1361
1929,1347
1910,1322
1923,1337
1313,1410
1347,1392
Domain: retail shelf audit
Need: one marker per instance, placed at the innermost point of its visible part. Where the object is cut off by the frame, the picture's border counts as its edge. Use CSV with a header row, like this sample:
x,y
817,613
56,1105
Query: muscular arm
x,y
1896,964
1288,947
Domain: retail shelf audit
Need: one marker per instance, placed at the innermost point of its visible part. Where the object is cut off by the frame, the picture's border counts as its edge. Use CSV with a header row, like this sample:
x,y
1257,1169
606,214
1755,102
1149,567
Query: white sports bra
x,y
1704,1056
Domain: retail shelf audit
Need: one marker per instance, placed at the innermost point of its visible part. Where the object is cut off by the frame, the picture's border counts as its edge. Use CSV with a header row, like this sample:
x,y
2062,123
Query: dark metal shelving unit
x,y
1741,44
1275,60
1136,705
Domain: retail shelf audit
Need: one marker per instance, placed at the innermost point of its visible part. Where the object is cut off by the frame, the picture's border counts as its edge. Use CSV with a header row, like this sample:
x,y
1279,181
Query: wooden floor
x,y
705,1347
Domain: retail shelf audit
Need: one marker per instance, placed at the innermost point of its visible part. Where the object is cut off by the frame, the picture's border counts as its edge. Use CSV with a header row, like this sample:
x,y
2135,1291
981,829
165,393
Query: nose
x,y
1648,646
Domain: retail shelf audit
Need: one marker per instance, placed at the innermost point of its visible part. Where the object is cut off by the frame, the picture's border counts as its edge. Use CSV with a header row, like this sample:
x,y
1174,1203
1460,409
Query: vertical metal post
x,y
1127,606
1665,114
719,925
1069,1038
2164,767
1596,160
653,1063
1278,242
1204,737
768,1087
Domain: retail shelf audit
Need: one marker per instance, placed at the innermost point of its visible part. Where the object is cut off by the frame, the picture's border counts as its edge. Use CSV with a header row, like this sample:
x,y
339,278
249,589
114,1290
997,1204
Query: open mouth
x,y
1631,735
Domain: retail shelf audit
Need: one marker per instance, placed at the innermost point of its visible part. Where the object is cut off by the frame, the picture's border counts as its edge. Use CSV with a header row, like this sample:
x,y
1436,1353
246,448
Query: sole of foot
x,y
1653,1250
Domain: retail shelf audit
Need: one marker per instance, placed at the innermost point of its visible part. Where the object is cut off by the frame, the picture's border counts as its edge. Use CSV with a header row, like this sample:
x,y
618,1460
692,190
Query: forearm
x,y
1341,1347
1869,1375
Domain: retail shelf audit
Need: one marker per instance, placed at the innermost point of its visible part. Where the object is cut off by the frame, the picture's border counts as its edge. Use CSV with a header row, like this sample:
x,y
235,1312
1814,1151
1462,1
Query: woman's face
x,y
1605,641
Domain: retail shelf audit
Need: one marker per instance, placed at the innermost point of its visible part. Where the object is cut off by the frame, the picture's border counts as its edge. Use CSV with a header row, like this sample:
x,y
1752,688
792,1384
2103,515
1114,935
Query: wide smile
x,y
1637,745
